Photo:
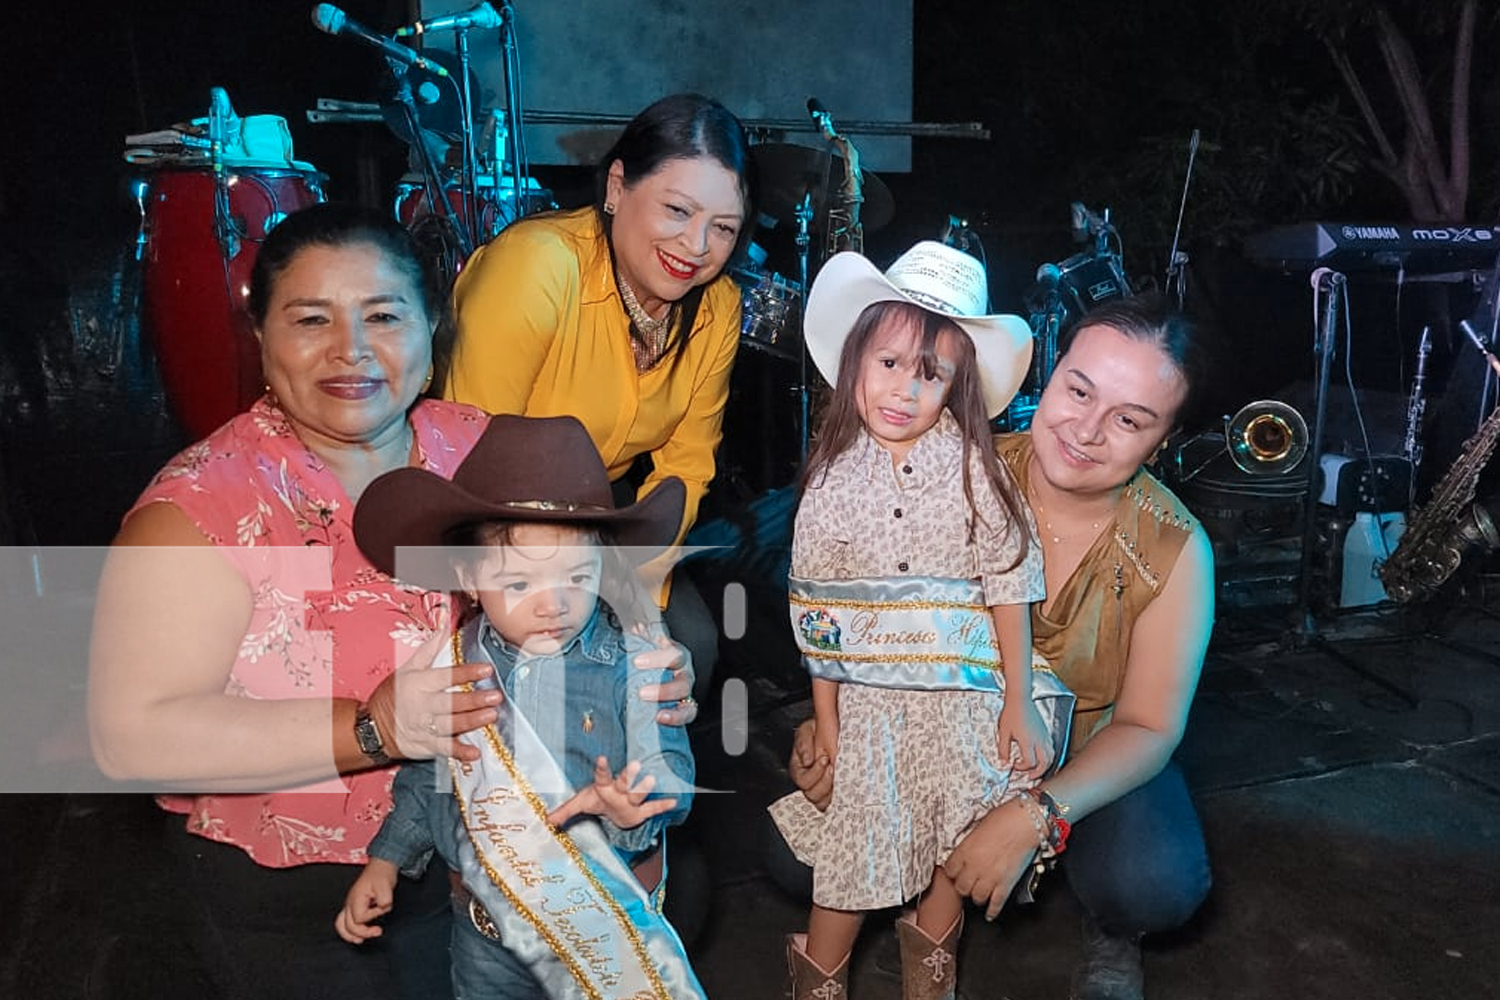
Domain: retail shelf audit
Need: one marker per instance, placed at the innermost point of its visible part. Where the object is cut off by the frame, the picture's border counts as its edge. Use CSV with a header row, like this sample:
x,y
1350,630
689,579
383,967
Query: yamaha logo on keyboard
x,y
1370,233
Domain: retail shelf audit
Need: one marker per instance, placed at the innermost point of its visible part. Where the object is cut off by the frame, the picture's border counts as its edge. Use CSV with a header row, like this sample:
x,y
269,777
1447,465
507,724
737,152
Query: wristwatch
x,y
367,734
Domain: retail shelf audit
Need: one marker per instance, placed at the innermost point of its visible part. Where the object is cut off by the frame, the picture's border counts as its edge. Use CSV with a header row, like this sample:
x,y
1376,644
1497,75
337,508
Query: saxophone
x,y
1443,529
845,231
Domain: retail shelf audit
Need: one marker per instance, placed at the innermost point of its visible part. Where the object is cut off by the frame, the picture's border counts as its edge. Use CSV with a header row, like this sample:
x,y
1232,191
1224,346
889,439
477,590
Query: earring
x,y
609,208
427,382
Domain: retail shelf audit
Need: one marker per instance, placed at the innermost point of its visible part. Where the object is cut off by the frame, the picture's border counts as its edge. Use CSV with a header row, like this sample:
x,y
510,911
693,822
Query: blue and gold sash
x,y
564,903
922,633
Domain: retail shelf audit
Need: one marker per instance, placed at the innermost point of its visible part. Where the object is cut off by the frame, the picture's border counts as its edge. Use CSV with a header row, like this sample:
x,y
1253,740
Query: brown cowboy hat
x,y
521,469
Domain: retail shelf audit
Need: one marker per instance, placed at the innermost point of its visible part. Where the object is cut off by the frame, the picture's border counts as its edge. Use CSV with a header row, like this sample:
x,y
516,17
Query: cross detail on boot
x,y
937,962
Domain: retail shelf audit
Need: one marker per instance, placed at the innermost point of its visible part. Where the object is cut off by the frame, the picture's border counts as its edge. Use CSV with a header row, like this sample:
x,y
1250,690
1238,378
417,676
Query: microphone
x,y
330,19
1048,277
481,16
1333,277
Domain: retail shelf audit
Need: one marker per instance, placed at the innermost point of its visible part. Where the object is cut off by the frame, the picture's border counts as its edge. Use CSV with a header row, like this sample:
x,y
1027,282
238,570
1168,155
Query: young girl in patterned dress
x,y
908,520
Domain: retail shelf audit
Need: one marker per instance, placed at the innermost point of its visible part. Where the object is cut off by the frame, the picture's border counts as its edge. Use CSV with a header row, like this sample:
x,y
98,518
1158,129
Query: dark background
x,y
1085,101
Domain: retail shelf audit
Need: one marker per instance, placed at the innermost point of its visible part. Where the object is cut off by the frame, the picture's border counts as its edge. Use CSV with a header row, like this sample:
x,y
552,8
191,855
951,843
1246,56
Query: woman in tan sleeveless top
x,y
1125,624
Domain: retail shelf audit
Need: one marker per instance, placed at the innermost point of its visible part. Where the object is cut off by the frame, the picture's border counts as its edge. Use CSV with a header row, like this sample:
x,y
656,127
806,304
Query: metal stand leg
x,y
1306,627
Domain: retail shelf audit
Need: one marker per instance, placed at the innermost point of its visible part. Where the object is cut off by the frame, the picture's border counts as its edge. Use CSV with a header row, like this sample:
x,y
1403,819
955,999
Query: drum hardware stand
x,y
140,188
1332,285
219,114
469,181
436,203
804,216
1052,314
1177,260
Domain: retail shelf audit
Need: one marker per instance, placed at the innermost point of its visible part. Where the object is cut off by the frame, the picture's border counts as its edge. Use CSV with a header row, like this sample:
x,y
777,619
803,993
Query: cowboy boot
x,y
809,980
928,968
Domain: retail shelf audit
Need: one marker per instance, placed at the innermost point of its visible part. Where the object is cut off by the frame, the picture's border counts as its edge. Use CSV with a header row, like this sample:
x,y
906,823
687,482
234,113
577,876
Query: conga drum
x,y
195,276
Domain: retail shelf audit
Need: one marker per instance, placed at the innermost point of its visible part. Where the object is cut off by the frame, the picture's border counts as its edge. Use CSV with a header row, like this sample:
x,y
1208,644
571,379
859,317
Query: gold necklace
x,y
648,347
1051,532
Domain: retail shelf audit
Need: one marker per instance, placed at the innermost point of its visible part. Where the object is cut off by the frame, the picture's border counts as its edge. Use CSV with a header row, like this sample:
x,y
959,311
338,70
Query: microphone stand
x,y
512,85
1307,630
1176,261
804,214
469,175
437,202
1051,331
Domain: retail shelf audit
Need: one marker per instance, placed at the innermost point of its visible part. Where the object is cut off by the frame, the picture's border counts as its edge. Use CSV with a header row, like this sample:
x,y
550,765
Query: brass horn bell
x,y
1266,437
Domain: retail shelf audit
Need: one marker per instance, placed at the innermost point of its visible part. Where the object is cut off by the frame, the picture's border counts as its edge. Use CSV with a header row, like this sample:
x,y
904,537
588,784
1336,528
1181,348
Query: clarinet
x,y
1416,406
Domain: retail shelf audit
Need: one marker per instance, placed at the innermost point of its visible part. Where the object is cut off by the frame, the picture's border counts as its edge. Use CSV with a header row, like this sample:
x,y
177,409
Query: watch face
x,y
368,736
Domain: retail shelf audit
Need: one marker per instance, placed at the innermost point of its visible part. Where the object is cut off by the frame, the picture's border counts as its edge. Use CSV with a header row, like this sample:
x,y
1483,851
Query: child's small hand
x,y
621,799
826,742
369,898
1024,738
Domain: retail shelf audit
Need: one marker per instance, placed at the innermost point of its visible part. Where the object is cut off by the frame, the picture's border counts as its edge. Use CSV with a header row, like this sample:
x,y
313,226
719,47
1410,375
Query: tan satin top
x,y
1085,634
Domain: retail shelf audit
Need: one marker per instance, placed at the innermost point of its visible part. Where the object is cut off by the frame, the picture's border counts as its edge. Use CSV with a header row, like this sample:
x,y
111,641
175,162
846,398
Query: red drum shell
x,y
195,293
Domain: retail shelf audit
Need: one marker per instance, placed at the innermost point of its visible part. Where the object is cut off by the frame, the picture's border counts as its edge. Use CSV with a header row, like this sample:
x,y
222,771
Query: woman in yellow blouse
x,y
621,314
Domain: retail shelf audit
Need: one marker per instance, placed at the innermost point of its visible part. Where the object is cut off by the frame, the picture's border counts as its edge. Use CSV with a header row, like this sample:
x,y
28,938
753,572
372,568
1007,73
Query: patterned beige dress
x,y
915,769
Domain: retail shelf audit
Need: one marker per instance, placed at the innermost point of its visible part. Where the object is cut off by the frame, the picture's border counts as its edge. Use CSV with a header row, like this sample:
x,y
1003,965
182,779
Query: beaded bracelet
x,y
1042,859
1048,816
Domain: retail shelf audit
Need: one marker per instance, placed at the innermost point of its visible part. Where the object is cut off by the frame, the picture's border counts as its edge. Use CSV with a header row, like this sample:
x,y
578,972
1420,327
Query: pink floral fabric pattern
x,y
325,624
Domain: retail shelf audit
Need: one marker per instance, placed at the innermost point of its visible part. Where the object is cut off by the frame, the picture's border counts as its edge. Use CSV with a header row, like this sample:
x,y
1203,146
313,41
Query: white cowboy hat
x,y
936,277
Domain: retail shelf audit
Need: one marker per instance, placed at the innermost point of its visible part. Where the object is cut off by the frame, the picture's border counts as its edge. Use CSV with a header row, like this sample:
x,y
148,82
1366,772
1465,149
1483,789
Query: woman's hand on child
x,y
1024,738
620,798
418,714
812,773
992,857
369,898
668,658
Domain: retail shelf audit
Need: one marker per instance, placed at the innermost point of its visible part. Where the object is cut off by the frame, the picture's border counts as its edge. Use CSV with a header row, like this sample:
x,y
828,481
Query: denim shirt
x,y
583,702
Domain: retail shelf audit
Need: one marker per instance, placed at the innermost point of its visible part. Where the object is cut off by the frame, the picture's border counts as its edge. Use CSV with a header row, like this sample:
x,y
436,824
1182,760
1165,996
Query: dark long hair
x,y
841,422
678,127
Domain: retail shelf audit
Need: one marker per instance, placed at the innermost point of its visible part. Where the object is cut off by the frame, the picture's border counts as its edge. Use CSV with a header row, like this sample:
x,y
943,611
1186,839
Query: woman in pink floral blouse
x,y
250,663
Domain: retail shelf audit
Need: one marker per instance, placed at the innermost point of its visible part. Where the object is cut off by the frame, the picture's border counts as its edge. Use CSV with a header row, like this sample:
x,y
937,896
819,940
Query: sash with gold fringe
x,y
922,633
564,903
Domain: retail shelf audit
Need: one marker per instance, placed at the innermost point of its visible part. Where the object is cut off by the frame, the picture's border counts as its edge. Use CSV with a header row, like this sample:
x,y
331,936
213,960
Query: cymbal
x,y
789,172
